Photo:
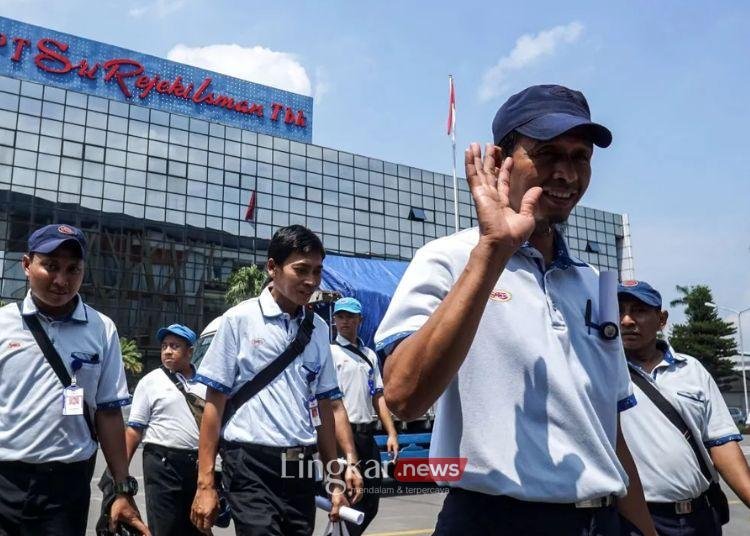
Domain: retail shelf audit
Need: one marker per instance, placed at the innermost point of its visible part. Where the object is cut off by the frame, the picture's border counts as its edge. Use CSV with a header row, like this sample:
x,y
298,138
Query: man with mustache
x,y
49,430
675,487
490,323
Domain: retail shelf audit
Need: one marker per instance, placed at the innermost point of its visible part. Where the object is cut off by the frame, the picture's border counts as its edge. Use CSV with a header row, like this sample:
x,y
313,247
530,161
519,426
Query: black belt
x,y
48,467
290,452
363,428
170,452
687,506
490,501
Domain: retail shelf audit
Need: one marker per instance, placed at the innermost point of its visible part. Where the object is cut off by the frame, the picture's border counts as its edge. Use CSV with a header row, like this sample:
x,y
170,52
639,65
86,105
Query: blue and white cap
x,y
179,330
641,291
351,305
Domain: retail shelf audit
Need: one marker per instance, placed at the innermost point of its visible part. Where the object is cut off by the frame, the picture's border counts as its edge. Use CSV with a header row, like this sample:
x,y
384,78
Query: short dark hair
x,y
509,142
293,238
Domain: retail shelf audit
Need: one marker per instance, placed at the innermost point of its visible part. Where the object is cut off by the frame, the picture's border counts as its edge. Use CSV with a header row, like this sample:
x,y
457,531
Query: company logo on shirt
x,y
14,344
257,342
500,295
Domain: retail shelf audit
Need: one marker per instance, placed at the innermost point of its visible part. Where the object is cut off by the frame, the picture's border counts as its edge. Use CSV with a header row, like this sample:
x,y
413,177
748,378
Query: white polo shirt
x,y
534,405
160,410
250,336
666,464
32,426
358,381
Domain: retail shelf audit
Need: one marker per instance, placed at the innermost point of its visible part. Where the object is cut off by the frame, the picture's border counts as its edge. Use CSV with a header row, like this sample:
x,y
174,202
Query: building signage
x,y
54,58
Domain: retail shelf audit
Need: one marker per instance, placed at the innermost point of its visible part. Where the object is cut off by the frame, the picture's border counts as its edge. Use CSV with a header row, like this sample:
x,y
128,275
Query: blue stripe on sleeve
x,y
213,384
719,441
333,394
626,403
115,403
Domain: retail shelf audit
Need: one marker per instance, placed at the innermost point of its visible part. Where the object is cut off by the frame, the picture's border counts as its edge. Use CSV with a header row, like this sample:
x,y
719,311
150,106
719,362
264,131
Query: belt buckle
x,y
683,507
294,452
599,502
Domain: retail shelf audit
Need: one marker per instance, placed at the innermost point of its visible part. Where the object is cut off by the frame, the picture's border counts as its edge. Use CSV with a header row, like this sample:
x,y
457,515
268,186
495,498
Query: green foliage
x,y
244,282
131,356
704,335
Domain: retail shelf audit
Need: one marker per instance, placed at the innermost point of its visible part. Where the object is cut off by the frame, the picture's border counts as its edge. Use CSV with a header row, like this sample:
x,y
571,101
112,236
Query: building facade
x,y
174,192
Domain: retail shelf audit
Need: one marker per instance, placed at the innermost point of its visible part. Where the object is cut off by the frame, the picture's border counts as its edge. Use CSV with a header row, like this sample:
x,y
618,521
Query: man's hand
x,y
354,484
205,509
391,445
124,510
499,223
338,499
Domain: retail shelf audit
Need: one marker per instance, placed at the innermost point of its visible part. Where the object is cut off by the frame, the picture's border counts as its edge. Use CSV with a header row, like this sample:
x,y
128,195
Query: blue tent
x,y
371,281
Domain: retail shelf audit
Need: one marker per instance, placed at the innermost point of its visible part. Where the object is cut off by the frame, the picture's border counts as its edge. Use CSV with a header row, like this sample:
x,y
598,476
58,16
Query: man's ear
x,y
271,267
663,316
26,262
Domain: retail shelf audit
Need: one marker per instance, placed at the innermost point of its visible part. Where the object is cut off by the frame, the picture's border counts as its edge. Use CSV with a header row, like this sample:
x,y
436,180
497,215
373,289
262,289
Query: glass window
x,y
50,145
196,205
157,182
26,123
155,199
135,178
51,163
135,195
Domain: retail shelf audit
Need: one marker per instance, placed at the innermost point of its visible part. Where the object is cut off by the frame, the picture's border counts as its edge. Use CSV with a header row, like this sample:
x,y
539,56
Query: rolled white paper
x,y
347,514
609,310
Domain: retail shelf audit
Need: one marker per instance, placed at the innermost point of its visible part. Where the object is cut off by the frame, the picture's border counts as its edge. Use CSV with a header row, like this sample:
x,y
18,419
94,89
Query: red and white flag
x,y
451,106
250,212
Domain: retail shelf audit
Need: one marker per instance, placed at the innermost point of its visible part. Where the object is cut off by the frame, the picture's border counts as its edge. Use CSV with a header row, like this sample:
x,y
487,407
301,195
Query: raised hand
x,y
500,224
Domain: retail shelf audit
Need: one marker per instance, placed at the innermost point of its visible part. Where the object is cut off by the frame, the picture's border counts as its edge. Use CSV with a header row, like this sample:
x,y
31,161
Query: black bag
x,y
276,367
55,361
716,497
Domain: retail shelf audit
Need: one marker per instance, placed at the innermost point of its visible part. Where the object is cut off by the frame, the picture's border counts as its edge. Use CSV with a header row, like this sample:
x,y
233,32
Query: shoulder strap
x,y
358,352
54,360
272,370
194,403
671,413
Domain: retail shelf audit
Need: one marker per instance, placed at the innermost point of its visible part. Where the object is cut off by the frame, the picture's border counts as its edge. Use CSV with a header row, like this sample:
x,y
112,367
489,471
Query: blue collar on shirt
x,y
561,259
79,314
670,357
270,308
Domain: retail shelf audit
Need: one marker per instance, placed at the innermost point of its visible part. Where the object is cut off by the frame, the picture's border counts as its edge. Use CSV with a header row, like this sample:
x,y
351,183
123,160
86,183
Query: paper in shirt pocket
x,y
85,358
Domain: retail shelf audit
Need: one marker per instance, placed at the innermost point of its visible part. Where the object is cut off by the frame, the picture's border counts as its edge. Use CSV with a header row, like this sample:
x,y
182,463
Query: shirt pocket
x,y
693,404
86,367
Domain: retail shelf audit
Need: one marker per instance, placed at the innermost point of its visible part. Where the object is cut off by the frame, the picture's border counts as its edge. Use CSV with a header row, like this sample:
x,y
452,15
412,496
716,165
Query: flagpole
x,y
453,143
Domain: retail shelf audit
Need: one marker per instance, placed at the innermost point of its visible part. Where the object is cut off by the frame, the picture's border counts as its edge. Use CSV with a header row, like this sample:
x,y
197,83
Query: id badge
x,y
312,405
73,400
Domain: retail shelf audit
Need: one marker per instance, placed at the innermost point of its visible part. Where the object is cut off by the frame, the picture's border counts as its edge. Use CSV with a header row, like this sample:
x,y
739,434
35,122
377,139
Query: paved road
x,y
412,515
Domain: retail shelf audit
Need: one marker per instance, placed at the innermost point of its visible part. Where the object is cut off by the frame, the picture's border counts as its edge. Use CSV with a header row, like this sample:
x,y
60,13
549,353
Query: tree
x,y
704,336
131,356
244,282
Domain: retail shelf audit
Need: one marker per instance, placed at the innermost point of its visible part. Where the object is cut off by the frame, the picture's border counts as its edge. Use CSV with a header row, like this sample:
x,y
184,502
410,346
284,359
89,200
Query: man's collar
x,y
561,259
270,308
343,341
670,356
79,314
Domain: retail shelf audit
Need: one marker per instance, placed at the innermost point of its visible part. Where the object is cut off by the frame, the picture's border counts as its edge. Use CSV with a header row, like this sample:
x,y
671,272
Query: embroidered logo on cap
x,y
630,283
64,229
500,295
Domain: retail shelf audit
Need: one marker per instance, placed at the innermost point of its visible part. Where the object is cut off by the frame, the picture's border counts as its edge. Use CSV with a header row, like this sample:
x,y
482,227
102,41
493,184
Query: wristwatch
x,y
128,487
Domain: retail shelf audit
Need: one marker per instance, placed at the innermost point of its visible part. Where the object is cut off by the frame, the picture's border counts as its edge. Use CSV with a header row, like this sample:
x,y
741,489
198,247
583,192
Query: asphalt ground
x,y
408,514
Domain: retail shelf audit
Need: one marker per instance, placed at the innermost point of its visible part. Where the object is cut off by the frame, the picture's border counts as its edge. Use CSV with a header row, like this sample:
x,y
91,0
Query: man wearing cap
x,y
359,378
163,418
48,431
673,480
490,322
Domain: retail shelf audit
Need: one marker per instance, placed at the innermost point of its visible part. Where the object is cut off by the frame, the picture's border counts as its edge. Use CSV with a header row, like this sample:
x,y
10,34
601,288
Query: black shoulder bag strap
x,y
358,352
669,411
194,403
54,360
272,370
716,496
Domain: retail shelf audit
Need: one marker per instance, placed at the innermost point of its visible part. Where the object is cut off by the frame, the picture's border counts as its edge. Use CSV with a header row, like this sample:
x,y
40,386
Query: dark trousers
x,y
700,522
47,499
263,503
369,456
170,478
468,512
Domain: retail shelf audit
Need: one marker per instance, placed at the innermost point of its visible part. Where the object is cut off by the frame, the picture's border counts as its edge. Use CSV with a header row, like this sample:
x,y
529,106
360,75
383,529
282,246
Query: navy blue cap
x,y
50,237
545,112
179,330
641,291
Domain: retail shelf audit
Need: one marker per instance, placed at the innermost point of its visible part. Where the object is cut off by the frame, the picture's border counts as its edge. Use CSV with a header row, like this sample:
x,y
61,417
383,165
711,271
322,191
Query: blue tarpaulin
x,y
371,281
